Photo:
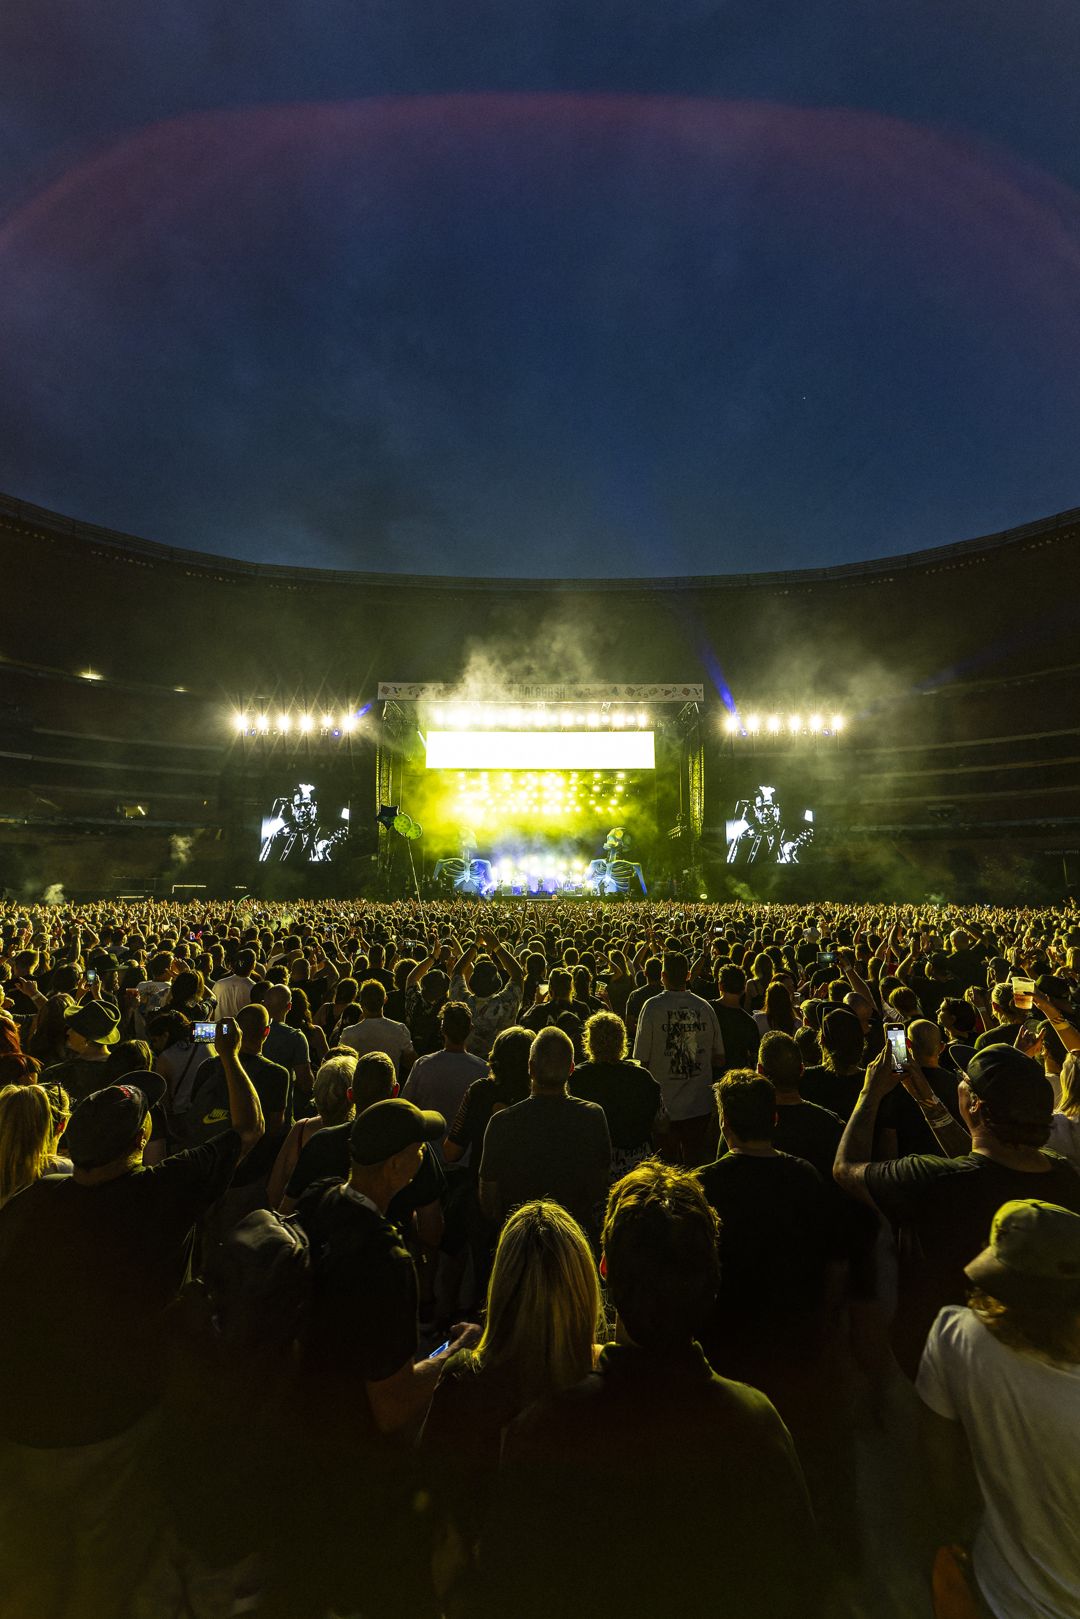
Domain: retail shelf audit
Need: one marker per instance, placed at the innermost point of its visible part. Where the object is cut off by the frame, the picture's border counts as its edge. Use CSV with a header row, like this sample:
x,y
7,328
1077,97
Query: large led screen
x,y
540,750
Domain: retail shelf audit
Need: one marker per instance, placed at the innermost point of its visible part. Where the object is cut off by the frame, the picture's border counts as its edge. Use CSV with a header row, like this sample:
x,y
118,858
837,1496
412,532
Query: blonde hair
x,y
27,1137
605,1037
543,1303
1070,1086
331,1088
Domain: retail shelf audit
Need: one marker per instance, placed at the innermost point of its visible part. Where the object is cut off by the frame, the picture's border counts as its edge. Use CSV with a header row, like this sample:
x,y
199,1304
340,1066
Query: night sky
x,y
557,288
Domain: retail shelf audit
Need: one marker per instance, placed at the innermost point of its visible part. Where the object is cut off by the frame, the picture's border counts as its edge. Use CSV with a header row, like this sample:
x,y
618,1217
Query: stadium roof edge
x,y
61,526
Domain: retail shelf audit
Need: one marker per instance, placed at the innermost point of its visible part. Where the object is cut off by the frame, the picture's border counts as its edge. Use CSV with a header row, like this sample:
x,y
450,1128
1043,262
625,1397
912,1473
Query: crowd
x,y
430,1259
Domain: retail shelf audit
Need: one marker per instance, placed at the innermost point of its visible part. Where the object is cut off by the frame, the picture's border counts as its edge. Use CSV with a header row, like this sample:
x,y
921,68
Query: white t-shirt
x,y
230,994
1065,1137
678,1040
1021,1416
378,1034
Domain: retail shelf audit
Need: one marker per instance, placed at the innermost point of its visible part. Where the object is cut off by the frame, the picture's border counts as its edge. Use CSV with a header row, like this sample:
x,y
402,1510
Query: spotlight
x,y
794,723
306,723
264,723
813,724
753,725
348,724
566,717
731,724
774,723
594,719
240,722
838,722
328,722
618,720
283,723
437,715
643,720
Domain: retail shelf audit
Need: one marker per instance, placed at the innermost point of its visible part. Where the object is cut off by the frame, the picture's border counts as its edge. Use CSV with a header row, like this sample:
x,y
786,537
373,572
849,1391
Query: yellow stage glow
x,y
532,751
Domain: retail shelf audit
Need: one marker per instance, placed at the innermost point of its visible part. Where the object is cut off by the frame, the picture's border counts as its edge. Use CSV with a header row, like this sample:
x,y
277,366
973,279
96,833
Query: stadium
x,y
905,728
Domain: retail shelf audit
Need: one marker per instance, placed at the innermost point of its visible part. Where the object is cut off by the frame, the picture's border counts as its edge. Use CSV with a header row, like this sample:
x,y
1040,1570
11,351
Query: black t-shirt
x,y
840,1092
477,1106
932,991
777,1232
550,1146
943,1209
544,1013
741,1035
808,1131
363,1322
208,1114
87,1272
79,1076
422,1021
636,1000
581,1526
209,1110
628,1094
326,1157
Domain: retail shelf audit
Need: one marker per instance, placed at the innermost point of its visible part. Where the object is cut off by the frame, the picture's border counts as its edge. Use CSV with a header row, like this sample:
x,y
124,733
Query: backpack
x,y
256,1282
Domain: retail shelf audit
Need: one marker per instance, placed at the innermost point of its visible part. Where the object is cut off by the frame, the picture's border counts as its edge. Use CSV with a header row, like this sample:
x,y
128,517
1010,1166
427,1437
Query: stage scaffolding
x,y
677,718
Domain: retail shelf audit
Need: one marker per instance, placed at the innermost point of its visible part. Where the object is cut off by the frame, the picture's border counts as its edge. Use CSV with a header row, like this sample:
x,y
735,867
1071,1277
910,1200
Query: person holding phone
x,y
941,1205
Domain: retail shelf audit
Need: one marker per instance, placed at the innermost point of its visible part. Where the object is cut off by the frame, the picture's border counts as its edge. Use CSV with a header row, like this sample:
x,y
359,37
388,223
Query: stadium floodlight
x,y
264,723
813,724
731,724
306,723
283,723
774,723
753,724
240,722
838,722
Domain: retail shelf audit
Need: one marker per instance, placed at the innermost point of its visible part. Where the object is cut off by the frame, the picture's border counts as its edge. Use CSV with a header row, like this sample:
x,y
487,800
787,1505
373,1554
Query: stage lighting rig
x,y
780,724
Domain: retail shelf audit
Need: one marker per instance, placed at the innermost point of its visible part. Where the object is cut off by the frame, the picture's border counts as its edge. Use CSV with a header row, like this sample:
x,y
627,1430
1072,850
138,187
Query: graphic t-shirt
x,y
678,1039
491,1014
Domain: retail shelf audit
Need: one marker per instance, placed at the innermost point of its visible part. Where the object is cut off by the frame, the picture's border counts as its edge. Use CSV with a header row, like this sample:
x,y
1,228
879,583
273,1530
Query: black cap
x,y
386,1128
105,1123
1012,1085
1053,989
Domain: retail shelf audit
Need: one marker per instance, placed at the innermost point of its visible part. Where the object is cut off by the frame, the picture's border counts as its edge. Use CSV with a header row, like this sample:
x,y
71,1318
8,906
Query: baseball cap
x,y
95,1020
1012,1085
386,1128
1053,989
106,1122
1033,1256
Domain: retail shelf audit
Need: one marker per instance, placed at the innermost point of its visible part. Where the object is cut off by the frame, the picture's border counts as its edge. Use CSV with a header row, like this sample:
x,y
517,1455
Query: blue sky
x,y
560,290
